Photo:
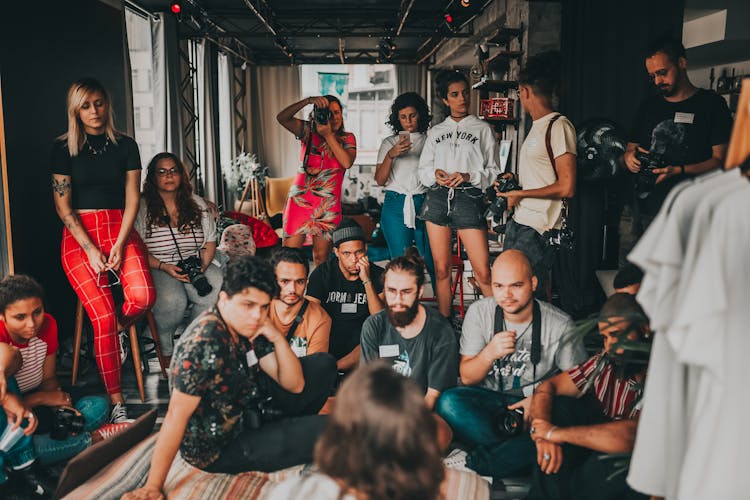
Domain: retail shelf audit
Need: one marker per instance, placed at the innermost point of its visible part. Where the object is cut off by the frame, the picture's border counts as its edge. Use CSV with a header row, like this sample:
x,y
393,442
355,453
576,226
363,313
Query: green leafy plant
x,y
241,169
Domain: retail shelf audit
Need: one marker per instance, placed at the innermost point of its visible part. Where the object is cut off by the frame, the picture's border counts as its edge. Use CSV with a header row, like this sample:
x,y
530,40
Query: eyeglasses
x,y
163,172
103,280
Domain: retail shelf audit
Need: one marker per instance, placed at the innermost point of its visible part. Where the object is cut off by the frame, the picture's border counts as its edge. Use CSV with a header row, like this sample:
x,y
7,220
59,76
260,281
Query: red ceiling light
x,y
175,7
448,18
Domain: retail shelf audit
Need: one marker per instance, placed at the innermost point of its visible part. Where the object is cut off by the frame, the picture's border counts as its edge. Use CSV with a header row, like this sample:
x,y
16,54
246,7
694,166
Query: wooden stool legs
x,y
157,344
134,348
77,342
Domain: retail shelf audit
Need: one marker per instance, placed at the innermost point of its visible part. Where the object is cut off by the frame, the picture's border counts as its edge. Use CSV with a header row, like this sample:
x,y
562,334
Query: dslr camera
x,y
498,204
65,422
260,409
321,115
509,423
646,179
192,268
563,238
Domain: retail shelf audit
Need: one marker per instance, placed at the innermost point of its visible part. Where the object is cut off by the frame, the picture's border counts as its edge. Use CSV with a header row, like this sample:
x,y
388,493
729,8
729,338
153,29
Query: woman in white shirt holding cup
x,y
398,159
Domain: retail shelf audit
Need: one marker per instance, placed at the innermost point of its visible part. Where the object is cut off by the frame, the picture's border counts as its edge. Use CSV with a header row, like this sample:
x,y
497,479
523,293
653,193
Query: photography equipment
x,y
498,204
260,409
646,178
65,422
600,146
192,268
321,115
192,265
509,423
563,237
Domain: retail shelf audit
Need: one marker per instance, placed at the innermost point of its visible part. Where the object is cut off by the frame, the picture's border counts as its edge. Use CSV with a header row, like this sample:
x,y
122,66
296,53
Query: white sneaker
x,y
119,414
456,459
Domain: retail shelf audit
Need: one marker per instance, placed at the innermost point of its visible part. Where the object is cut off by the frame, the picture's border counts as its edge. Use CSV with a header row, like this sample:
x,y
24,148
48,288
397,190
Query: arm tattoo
x,y
61,187
70,221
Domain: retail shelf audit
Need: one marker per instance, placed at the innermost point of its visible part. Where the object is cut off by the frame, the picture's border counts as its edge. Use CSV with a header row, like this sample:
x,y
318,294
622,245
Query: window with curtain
x,y
226,128
140,47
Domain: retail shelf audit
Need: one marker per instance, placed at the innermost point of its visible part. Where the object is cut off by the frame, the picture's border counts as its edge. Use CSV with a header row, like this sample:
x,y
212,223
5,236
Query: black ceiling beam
x,y
266,16
343,33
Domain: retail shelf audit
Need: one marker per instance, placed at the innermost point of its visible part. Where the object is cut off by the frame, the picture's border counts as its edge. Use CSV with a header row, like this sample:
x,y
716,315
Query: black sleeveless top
x,y
97,180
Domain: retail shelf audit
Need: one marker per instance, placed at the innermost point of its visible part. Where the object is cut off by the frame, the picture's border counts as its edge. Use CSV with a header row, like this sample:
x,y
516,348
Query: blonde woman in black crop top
x,y
96,173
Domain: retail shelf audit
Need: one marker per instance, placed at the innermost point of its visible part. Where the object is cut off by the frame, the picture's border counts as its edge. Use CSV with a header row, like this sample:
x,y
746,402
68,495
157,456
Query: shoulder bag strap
x,y
297,320
548,143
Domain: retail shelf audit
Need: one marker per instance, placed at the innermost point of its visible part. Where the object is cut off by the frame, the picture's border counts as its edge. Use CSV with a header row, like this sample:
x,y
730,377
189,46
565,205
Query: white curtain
x,y
166,44
272,89
208,116
412,78
226,129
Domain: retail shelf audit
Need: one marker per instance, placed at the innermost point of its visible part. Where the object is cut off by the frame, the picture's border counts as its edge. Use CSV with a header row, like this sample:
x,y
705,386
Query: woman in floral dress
x,y
314,204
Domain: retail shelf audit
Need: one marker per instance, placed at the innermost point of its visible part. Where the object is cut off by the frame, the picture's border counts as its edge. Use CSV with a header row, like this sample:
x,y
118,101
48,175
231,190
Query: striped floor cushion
x,y
187,482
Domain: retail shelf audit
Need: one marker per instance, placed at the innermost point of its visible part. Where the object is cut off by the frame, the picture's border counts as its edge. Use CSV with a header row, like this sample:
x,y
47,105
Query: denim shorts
x,y
460,208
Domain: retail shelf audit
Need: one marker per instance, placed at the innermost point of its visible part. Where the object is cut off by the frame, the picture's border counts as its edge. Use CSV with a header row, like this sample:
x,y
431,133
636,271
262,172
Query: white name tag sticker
x,y
251,358
388,351
299,351
349,308
680,117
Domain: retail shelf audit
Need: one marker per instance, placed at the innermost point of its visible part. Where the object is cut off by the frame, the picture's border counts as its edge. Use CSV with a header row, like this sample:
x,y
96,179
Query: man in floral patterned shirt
x,y
224,367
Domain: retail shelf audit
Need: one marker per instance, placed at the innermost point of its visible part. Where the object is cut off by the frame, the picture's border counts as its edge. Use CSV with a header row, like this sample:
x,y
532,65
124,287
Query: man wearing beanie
x,y
350,289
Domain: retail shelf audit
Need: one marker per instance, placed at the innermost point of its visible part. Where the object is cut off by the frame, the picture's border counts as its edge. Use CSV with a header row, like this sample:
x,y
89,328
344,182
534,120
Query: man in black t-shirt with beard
x,y
350,290
688,127
418,341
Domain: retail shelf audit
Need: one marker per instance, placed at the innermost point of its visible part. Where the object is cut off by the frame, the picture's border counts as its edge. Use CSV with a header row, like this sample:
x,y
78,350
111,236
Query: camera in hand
x,y
66,422
322,115
498,204
192,268
509,423
260,409
646,179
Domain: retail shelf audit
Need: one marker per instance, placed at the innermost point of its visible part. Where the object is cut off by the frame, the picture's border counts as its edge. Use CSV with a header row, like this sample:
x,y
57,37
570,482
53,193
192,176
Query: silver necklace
x,y
95,151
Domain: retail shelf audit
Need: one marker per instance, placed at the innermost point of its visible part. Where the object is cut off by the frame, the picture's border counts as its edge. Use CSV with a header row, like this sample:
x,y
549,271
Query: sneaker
x,y
123,338
33,482
106,431
119,414
456,459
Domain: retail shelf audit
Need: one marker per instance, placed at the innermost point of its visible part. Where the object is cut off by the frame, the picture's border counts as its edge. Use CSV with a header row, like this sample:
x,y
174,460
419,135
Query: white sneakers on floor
x,y
119,414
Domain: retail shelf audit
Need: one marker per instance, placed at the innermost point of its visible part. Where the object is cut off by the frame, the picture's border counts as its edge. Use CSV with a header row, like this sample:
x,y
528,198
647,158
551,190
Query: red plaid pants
x,y
103,227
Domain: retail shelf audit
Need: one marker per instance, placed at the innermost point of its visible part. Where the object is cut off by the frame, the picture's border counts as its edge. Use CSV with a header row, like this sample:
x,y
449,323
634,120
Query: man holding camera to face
x,y
681,132
233,377
509,342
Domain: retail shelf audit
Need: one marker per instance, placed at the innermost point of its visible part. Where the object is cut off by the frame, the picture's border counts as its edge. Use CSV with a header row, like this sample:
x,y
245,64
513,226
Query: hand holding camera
x,y
321,115
632,162
175,271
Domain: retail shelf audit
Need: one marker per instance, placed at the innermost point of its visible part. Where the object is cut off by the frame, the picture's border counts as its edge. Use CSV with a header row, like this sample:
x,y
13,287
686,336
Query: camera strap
x,y
176,245
536,332
308,145
548,144
297,320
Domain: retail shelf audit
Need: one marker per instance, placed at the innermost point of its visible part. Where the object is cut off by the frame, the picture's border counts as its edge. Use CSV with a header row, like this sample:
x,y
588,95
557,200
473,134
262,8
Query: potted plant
x,y
245,177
